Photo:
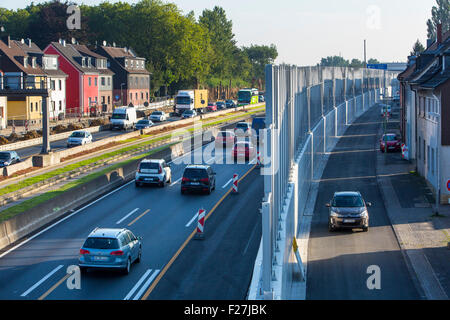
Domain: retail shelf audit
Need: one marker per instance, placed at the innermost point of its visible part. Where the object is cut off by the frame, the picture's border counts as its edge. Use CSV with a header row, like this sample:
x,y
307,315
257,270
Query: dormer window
x,y
126,63
89,63
33,62
25,62
83,62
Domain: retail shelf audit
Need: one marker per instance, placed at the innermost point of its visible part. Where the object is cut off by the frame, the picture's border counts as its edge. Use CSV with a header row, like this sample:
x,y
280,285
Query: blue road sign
x,y
378,66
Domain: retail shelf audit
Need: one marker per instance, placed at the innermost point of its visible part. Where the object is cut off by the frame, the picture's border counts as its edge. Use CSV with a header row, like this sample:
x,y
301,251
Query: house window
x,y
90,81
102,79
142,96
60,85
95,81
126,63
60,105
432,160
31,106
109,99
136,95
52,84
83,62
420,148
146,96
131,97
109,81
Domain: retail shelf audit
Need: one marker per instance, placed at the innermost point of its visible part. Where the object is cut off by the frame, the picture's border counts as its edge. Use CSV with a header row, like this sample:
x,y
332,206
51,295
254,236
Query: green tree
x,y
373,61
418,48
334,61
440,14
259,56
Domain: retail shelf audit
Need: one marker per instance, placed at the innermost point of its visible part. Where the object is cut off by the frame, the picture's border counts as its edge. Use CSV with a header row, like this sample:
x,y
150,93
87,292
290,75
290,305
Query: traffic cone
x,y
200,225
258,160
234,187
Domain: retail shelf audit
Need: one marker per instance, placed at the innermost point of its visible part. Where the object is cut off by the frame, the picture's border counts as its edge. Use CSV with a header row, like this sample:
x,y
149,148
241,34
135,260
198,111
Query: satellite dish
x,y
2,29
73,40
104,43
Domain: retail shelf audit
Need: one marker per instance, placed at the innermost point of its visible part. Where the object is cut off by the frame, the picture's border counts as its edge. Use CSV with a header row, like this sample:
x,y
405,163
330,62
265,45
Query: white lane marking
x,y
226,184
146,285
210,160
192,220
37,284
118,222
63,219
137,285
175,182
253,161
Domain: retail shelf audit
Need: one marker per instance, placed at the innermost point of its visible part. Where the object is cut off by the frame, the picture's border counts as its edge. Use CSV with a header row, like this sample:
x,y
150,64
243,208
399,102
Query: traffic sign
x,y
448,185
378,66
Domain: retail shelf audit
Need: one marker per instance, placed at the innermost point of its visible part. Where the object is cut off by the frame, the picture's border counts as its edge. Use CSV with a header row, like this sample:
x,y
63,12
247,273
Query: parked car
x,y
391,141
144,124
243,129
211,107
243,149
153,171
198,178
158,116
8,158
189,114
225,139
230,104
110,249
348,210
221,105
79,138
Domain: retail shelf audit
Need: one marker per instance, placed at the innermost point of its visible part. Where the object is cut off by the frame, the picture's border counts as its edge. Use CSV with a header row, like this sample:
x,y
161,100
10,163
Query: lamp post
x,y
121,93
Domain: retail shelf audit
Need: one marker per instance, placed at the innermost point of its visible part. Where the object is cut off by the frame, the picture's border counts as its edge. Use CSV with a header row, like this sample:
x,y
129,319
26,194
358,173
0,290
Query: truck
x,y
123,118
194,99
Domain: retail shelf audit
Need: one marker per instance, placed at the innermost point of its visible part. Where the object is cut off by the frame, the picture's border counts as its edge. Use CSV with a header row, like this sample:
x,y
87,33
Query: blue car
x,y
110,249
143,124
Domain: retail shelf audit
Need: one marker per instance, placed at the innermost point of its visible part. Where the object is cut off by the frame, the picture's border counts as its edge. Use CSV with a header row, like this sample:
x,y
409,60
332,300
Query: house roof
x,y
438,79
84,50
14,51
71,53
121,53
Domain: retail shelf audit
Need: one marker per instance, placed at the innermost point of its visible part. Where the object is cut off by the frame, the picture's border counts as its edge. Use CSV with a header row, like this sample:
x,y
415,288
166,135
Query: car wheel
x,y
126,270
139,257
365,229
331,228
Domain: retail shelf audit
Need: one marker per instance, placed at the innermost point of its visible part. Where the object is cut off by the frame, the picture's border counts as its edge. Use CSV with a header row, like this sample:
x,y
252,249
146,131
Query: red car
x,y
392,142
225,138
243,149
211,107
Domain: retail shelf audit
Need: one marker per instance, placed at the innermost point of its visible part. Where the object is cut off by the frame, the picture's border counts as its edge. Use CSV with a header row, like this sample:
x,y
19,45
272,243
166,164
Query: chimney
x,y
429,42
439,33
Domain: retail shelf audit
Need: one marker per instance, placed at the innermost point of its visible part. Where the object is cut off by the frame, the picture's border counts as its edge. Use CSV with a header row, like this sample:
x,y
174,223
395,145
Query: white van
x,y
123,118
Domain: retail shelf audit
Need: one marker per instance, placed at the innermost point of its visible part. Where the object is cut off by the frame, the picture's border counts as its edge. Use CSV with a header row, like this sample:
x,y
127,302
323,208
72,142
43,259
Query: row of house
x,y
82,81
425,113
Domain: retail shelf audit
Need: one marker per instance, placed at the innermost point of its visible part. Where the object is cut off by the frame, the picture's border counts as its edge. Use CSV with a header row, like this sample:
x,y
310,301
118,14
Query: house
x,y
3,104
426,98
82,92
56,79
105,81
21,70
131,80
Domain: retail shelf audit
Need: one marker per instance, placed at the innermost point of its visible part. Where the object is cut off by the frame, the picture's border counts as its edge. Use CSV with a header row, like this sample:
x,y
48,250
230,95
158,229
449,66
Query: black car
x,y
199,178
230,104
348,210
143,124
220,105
8,158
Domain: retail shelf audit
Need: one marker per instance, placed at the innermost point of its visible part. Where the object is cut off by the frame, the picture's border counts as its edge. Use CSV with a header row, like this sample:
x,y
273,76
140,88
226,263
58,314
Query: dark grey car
x,y
348,210
8,158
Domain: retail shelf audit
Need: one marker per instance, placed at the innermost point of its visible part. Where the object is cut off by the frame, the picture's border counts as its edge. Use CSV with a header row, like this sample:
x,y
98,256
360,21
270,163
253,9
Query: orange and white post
x,y
234,187
201,224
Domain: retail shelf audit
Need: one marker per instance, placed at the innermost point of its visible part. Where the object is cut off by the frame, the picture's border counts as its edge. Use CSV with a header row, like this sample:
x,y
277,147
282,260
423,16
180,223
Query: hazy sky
x,y
304,31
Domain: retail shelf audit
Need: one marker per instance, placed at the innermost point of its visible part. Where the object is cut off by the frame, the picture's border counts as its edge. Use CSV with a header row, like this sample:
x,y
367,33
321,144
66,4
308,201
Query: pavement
x,y
422,236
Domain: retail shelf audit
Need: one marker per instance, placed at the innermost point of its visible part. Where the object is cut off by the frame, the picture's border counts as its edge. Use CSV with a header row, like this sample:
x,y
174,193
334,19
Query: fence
x,y
307,109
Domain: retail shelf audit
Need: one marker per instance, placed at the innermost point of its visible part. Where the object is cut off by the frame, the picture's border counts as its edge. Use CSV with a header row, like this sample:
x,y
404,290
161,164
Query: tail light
x,y
139,168
83,251
185,179
117,253
205,180
160,169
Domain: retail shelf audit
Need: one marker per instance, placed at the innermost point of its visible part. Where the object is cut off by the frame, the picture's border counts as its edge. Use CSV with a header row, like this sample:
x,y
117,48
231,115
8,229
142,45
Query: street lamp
x,y
121,93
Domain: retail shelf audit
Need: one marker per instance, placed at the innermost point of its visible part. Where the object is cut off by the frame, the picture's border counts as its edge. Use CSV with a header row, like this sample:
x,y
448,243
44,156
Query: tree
x,y
356,63
259,56
418,48
373,61
334,61
440,14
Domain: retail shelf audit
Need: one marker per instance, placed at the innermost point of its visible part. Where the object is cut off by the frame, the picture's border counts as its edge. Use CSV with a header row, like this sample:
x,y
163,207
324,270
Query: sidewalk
x,y
422,236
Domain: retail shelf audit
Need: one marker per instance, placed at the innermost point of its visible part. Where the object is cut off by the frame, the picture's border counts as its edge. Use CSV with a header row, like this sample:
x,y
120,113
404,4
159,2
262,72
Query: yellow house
x,y
21,109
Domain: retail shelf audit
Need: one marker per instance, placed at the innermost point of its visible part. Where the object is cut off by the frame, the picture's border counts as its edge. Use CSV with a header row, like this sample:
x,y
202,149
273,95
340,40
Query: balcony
x,y
23,85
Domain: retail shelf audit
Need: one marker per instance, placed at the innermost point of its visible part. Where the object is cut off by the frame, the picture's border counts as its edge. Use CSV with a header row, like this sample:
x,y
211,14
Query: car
x,y
79,138
385,108
153,171
230,103
221,105
258,124
243,129
110,248
8,158
243,149
189,114
211,107
200,178
225,139
158,116
261,98
391,141
348,210
144,124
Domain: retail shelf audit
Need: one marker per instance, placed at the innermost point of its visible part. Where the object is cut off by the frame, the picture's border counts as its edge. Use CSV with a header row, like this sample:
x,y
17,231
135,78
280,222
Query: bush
x,y
31,135
98,122
59,128
3,140
75,126
13,137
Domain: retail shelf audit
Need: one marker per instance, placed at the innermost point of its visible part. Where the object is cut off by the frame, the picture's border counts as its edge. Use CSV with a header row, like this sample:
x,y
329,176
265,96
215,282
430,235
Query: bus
x,y
248,96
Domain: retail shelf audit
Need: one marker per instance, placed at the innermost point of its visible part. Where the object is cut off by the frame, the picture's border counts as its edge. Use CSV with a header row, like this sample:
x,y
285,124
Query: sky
x,y
304,31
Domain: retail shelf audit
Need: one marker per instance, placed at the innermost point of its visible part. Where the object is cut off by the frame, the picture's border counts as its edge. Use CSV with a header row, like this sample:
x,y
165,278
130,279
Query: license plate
x,y
195,183
99,258
349,221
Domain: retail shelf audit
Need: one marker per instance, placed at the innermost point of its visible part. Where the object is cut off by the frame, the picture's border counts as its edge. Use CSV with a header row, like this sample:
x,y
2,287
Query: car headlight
x,y
6,163
334,214
364,214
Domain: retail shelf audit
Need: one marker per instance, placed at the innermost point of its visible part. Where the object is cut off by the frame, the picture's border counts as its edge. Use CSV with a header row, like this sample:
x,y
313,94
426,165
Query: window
x,y
103,81
53,106
60,85
31,106
83,62
432,160
33,62
103,99
146,96
131,96
109,99
90,81
95,81
126,63
428,157
109,81
60,105
420,148
142,96
136,95
52,84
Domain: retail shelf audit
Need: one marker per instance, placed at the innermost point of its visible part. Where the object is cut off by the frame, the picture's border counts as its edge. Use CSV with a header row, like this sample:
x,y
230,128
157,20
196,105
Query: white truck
x,y
124,118
191,100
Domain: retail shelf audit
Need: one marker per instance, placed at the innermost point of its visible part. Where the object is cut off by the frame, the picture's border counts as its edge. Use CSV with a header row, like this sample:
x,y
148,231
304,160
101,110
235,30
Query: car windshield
x,y
189,112
118,116
157,113
195,173
143,122
149,165
389,138
242,125
101,243
244,96
4,155
183,100
347,201
77,135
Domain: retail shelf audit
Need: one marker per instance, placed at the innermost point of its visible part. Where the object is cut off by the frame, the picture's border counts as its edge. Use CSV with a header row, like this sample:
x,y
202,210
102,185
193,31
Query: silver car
x,y
348,210
79,138
153,171
110,249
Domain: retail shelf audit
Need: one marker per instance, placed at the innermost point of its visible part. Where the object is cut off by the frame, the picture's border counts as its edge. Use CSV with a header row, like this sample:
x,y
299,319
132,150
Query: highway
x,y
338,261
36,268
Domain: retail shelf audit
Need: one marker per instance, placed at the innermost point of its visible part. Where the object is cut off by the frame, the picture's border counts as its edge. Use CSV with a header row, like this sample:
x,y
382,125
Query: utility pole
x,y
365,54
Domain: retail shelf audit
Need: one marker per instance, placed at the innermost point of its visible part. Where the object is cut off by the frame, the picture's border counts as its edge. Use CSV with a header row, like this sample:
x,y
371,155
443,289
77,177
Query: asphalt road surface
x,y
338,262
162,216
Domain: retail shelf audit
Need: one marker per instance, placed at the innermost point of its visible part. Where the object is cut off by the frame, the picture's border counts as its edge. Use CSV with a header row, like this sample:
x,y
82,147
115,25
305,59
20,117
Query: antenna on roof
x,y
114,44
104,43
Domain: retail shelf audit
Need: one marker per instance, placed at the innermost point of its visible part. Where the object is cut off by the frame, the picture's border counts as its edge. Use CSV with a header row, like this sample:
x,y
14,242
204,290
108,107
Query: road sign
x,y
448,185
378,66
